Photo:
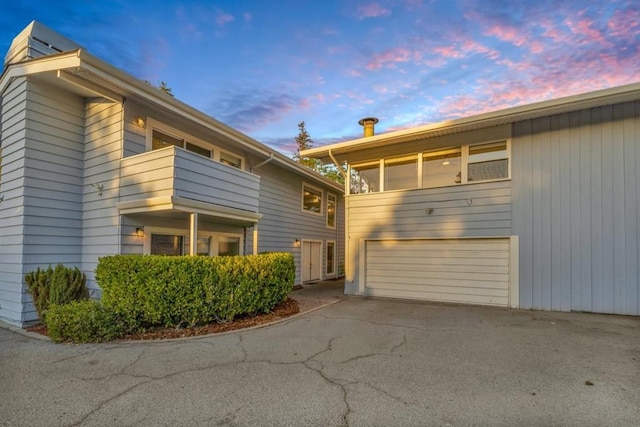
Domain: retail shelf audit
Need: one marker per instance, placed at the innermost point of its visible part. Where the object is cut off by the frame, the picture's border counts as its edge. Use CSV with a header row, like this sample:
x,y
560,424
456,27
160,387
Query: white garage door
x,y
474,271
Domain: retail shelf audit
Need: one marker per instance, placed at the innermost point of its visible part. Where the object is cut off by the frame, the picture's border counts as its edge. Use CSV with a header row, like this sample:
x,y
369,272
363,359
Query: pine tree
x,y
304,142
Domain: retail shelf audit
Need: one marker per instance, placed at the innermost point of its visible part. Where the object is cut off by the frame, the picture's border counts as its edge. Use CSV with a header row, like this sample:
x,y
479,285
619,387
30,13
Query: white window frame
x,y
335,258
212,235
153,124
464,164
312,187
335,213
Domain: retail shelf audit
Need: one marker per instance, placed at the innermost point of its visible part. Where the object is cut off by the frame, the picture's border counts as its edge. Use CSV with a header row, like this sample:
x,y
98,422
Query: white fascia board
x,y
62,61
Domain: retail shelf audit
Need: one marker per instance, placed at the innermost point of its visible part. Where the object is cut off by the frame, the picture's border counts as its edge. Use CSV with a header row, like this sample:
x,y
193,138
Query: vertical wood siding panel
x,y
525,200
619,268
564,278
630,305
574,142
585,212
597,278
544,249
608,167
555,228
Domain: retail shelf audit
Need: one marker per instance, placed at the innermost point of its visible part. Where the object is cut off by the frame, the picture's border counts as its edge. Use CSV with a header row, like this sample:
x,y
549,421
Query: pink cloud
x,y
389,58
247,17
222,18
584,29
372,10
355,73
508,34
624,23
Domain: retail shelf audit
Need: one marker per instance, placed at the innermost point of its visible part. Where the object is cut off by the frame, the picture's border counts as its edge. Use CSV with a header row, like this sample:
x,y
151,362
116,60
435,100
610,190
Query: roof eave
x,y
500,117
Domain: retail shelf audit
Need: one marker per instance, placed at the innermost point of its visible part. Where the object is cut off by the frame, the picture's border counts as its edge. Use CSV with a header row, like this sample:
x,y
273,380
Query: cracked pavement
x,y
360,362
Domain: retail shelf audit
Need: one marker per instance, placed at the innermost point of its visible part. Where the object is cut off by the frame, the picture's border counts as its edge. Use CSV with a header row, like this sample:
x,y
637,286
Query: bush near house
x,y
59,285
83,322
149,290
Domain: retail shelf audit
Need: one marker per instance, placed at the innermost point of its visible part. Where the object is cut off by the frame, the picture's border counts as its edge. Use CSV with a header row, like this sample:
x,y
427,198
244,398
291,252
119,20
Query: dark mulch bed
x,y
285,309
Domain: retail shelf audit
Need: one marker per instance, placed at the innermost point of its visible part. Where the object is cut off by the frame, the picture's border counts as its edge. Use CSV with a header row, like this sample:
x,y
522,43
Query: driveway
x,y
358,362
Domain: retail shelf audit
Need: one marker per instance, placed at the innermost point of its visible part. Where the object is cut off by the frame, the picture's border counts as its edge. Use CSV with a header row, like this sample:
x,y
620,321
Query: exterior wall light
x,y
140,121
296,243
140,232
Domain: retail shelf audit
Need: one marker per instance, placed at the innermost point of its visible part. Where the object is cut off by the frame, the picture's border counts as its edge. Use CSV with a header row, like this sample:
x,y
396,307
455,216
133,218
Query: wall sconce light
x,y
99,187
296,243
141,122
140,232
429,211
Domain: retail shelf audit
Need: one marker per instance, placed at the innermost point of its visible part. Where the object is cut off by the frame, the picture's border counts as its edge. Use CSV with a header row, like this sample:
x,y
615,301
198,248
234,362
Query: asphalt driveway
x,y
360,361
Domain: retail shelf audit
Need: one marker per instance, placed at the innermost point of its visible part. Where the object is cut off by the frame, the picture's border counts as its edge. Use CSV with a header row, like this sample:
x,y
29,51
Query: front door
x,y
311,261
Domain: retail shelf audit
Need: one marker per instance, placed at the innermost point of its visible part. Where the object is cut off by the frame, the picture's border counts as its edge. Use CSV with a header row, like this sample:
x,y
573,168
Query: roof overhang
x,y
599,98
94,77
168,205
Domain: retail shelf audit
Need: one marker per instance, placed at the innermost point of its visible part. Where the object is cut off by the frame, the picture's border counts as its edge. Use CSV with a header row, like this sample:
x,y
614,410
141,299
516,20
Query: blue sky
x,y
264,66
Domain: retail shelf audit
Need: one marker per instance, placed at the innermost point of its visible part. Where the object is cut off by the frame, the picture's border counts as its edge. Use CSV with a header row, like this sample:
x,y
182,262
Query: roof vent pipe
x,y
368,123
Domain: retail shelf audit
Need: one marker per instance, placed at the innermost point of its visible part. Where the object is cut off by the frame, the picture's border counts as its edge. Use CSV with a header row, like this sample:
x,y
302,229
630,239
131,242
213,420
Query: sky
x,y
263,66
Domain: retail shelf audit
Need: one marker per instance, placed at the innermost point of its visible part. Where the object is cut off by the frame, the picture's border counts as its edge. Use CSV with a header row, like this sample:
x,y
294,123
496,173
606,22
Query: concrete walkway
x,y
360,362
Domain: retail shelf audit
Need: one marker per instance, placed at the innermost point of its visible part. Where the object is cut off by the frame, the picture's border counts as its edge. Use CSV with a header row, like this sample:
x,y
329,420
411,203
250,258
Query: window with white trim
x,y
175,242
331,258
365,177
488,162
311,199
465,164
332,207
160,135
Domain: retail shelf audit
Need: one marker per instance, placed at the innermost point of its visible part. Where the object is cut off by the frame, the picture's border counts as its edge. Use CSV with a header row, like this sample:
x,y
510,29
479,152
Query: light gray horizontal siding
x,y
176,172
462,211
284,221
576,209
42,151
101,163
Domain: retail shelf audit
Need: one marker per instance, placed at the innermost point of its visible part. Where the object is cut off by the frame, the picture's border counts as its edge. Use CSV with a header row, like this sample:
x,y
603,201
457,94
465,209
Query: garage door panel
x,y
435,253
441,297
464,270
445,276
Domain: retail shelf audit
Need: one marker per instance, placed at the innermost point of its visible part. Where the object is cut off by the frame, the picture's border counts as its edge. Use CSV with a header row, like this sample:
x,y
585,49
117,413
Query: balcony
x,y
175,174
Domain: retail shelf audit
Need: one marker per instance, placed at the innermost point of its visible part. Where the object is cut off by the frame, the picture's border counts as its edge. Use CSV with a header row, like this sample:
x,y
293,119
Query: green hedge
x,y
151,290
59,285
82,322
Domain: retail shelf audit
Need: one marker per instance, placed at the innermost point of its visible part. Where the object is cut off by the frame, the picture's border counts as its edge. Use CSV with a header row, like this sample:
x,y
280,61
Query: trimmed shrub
x,y
151,290
82,322
59,285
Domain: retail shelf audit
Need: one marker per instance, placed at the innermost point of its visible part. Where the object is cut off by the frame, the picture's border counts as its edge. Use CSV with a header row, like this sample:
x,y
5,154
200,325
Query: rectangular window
x,y
488,161
441,168
198,150
401,174
162,140
164,244
331,258
332,206
365,178
203,246
231,160
228,246
311,199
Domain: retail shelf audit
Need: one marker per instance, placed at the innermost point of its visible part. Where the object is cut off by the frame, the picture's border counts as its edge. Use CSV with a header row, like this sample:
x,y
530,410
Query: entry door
x,y
311,261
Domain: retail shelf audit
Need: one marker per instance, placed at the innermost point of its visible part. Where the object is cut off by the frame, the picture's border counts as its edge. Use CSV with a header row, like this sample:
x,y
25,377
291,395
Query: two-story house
x,y
96,162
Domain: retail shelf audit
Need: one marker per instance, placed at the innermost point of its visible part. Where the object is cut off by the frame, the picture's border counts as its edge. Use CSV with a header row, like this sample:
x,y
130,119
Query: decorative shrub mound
x,y
153,290
59,285
82,322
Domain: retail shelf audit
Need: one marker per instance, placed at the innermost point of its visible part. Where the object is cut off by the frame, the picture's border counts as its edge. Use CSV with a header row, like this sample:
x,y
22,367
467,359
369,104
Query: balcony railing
x,y
176,172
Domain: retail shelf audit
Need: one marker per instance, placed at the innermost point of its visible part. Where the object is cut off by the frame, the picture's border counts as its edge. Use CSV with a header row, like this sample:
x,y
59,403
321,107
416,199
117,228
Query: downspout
x,y
342,172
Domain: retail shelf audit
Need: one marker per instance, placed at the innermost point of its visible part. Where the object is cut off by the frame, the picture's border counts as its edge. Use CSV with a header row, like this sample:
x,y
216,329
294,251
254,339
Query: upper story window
x,y
456,165
160,136
441,168
365,178
311,199
488,161
401,173
332,206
